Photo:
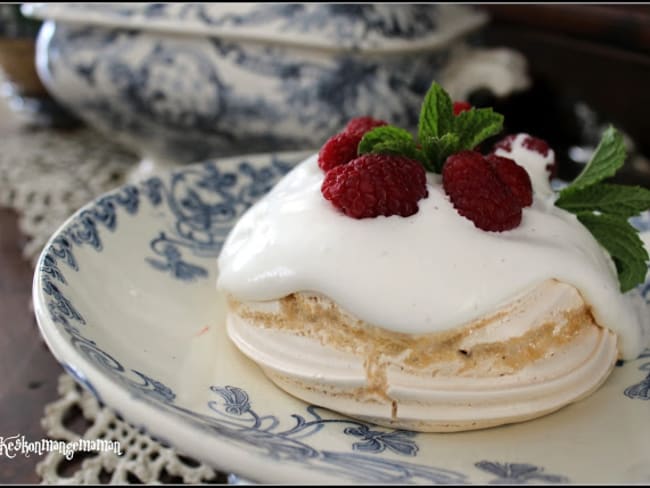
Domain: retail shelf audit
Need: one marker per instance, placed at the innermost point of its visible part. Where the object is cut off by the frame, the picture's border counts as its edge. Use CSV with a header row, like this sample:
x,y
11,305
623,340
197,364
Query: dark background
x,y
596,56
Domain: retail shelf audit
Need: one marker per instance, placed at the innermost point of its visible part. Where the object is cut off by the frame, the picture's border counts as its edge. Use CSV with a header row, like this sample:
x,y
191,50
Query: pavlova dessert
x,y
419,283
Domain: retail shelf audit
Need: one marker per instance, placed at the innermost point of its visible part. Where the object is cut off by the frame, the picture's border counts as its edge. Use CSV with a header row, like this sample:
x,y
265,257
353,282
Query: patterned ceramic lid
x,y
321,25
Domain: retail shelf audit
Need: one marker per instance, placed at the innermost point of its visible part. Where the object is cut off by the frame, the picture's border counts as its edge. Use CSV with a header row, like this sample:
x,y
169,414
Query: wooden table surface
x,y
28,370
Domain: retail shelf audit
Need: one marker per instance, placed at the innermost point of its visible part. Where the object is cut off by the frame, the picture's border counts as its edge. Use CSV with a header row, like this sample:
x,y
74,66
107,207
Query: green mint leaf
x,y
436,114
605,162
388,139
623,243
440,132
620,200
476,125
437,149
604,209
387,135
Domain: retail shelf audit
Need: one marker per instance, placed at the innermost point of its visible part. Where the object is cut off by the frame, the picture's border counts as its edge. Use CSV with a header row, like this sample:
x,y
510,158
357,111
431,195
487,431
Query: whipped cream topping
x,y
429,272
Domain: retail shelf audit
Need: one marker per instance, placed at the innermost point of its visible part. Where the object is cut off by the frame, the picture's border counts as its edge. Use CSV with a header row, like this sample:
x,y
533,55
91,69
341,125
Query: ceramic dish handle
x,y
501,70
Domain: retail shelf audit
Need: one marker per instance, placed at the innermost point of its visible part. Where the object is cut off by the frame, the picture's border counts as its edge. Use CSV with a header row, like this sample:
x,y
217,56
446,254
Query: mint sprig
x,y
436,114
622,242
476,125
607,159
440,132
388,139
619,200
604,209
437,149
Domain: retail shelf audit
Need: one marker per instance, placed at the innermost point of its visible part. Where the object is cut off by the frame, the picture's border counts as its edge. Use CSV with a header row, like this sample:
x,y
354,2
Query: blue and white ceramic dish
x,y
125,297
188,81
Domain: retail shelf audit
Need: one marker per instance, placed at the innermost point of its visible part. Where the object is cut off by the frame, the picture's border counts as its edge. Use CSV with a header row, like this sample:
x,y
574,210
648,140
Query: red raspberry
x,y
342,147
339,149
478,194
552,169
535,144
505,143
360,125
376,184
460,107
515,176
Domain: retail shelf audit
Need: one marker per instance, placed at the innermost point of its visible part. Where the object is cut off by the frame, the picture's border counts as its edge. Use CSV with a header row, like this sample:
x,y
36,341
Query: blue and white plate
x,y
125,297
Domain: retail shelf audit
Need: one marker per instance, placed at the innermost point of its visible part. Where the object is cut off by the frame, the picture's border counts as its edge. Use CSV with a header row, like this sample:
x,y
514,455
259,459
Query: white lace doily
x,y
46,175
143,460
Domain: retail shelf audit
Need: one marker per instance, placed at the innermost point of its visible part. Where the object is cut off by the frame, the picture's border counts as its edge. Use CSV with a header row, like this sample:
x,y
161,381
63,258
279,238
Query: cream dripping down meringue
x,y
426,273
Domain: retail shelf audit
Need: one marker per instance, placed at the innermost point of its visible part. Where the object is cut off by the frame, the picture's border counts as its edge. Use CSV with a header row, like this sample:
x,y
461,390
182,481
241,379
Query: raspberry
x,y
460,107
376,184
505,143
342,147
552,169
339,149
477,192
360,125
515,177
531,143
537,145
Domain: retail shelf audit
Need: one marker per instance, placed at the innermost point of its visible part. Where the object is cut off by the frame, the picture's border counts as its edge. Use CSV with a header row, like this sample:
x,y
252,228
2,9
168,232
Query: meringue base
x,y
538,354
